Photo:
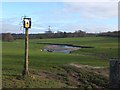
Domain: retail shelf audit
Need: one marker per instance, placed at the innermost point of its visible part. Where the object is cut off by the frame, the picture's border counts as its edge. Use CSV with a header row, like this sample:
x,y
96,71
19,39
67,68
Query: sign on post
x,y
27,25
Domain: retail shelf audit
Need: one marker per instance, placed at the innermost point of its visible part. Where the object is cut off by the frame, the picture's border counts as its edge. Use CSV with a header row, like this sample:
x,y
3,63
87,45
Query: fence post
x,y
114,75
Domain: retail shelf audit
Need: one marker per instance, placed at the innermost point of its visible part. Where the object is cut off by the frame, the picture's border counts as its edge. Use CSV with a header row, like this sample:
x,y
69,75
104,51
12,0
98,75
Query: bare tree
x,y
79,33
7,37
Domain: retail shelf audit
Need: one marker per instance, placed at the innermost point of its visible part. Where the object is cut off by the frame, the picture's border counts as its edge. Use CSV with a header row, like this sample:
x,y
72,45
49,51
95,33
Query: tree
x,y
49,34
79,33
65,35
7,37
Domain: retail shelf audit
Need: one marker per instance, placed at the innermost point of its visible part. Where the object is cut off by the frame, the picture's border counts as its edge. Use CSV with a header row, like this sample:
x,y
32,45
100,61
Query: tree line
x,y
59,34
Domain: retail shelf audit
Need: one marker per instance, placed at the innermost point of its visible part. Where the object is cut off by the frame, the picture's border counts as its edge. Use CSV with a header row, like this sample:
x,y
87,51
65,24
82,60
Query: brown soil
x,y
98,70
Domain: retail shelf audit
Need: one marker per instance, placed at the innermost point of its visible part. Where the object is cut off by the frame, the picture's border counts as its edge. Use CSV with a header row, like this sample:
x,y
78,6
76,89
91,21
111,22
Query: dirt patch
x,y
84,66
98,70
75,75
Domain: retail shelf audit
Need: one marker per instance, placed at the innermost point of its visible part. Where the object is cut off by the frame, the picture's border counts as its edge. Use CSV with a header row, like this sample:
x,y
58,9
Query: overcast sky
x,y
61,16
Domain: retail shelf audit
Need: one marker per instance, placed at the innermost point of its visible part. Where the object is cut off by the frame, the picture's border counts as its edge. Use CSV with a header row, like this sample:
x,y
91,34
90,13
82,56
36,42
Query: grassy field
x,y
54,70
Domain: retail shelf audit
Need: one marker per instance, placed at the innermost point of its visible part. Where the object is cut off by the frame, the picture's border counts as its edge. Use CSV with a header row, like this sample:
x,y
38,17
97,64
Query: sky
x,y
93,17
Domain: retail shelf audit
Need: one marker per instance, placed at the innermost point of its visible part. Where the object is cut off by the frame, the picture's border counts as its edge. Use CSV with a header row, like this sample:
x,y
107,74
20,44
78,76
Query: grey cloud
x,y
10,25
10,28
94,9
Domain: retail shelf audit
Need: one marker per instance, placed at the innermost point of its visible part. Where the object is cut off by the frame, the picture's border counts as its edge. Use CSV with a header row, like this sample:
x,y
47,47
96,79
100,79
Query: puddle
x,y
60,48
64,48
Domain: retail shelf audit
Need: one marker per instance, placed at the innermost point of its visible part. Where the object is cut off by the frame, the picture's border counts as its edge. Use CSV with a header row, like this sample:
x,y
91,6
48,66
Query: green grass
x,y
13,57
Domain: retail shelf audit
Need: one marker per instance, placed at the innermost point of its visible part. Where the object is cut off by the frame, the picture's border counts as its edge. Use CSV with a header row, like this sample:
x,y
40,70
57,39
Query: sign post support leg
x,y
25,71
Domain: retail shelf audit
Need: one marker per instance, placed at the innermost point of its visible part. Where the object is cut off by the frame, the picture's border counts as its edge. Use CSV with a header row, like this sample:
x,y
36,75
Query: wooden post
x,y
114,74
25,71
